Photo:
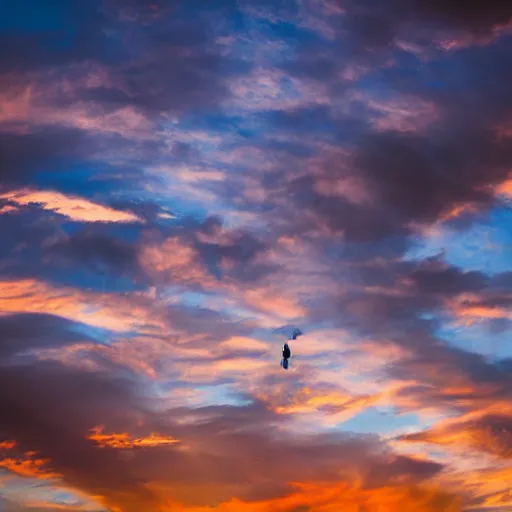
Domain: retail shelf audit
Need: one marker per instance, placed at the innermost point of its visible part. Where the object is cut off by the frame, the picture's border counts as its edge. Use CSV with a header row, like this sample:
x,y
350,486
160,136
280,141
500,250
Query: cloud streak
x,y
74,208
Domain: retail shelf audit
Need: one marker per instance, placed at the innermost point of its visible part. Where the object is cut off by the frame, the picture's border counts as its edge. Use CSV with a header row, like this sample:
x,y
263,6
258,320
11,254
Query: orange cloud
x,y
123,441
505,189
307,400
485,487
28,466
484,312
470,310
455,211
488,432
8,445
344,497
73,207
274,302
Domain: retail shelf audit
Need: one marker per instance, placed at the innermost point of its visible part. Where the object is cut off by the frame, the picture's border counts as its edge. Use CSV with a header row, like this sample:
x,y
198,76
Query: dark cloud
x,y
474,16
411,178
372,25
419,177
403,469
358,223
97,252
39,244
503,280
49,408
145,210
25,331
259,461
42,150
239,253
174,81
25,232
451,378
59,33
436,277
173,65
214,326
222,251
158,57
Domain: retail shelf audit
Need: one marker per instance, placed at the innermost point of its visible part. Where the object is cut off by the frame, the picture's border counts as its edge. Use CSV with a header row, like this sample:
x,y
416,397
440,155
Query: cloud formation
x,y
183,184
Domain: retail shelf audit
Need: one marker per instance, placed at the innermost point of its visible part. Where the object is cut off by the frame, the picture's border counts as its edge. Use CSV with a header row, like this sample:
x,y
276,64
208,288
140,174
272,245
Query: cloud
x,y
24,331
333,405
28,467
34,45
398,170
75,208
268,301
375,26
32,296
325,498
206,255
123,441
97,252
477,18
86,397
195,180
437,277
490,433
54,148
173,260
505,188
470,308
7,445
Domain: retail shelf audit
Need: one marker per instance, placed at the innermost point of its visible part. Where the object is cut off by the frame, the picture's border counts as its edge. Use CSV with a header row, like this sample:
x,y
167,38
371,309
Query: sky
x,y
183,183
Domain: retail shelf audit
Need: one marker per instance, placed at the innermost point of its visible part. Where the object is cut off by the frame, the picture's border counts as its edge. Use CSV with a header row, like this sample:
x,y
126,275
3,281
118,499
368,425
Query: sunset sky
x,y
183,183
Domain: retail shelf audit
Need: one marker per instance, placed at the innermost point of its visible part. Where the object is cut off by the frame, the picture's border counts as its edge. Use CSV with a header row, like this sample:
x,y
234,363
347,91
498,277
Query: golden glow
x,y
344,497
123,441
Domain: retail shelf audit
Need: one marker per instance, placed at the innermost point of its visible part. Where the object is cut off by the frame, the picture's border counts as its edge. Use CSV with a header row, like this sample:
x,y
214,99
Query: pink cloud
x,y
73,207
174,261
404,114
29,101
96,309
